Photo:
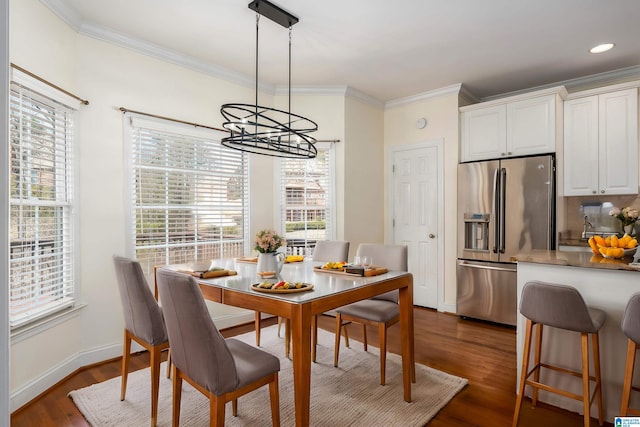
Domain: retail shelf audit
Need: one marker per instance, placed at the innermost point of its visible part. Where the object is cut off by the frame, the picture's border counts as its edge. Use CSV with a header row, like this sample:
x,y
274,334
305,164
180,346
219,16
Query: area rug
x,y
349,395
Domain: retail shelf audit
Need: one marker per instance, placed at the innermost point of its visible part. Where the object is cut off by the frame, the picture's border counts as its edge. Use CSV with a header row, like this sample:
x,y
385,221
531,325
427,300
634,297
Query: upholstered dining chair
x,y
143,322
631,329
381,311
221,369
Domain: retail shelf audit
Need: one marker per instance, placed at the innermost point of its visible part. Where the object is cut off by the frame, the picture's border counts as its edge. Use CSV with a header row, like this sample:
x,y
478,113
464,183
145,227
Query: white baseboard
x,y
447,308
55,374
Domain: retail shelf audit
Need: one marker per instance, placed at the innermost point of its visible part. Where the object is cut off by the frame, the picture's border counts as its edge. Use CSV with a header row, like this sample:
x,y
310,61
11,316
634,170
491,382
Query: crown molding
x,y
581,83
67,14
329,90
447,90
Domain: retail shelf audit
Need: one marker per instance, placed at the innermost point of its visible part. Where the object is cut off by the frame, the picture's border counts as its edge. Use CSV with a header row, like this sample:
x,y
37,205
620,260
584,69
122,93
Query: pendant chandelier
x,y
265,130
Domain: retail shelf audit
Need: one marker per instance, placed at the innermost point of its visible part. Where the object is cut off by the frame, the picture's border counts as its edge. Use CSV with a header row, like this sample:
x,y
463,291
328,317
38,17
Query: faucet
x,y
585,227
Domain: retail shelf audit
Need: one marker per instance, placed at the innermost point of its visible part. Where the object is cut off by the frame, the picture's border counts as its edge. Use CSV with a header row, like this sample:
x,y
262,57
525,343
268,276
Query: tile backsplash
x,y
597,209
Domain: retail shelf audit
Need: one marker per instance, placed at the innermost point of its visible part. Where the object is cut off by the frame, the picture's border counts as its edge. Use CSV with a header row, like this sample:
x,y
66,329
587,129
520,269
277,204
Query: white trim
x,y
42,88
439,145
448,90
601,79
31,329
4,213
560,91
604,89
55,374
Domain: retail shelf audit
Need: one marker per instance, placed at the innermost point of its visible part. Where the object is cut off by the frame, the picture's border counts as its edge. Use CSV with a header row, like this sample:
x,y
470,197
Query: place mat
x,y
210,274
253,259
373,271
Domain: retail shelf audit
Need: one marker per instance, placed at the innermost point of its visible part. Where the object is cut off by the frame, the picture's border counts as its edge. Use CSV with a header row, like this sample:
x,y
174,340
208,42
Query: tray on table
x,y
372,271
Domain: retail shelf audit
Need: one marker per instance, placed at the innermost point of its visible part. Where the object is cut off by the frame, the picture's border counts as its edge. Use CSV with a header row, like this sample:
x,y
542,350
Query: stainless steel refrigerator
x,y
505,207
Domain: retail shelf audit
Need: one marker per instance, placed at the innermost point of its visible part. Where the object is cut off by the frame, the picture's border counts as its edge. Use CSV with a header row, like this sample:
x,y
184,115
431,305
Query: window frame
x,y
165,125
55,99
281,210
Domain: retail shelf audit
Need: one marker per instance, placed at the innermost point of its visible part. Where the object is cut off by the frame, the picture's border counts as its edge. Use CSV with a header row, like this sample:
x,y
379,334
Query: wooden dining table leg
x,y
406,337
301,340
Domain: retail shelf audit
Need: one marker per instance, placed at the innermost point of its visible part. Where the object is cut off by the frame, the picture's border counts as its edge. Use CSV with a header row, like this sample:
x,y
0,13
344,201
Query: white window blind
x,y
188,194
307,199
41,205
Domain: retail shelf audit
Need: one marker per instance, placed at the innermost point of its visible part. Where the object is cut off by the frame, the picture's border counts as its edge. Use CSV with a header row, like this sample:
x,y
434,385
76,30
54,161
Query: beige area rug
x,y
349,395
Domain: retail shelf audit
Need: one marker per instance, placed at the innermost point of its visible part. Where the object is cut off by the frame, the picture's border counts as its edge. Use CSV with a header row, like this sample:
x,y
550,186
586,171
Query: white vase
x,y
628,229
270,261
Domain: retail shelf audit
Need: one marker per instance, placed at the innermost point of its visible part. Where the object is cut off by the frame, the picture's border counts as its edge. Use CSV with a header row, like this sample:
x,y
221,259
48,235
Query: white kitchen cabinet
x,y
601,143
516,126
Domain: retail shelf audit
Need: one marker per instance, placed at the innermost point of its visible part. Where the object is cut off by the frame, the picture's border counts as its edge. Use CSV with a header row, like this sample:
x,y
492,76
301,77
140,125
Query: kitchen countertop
x,y
576,259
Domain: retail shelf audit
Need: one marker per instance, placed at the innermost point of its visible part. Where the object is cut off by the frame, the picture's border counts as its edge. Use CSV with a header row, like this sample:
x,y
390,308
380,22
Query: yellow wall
x,y
441,112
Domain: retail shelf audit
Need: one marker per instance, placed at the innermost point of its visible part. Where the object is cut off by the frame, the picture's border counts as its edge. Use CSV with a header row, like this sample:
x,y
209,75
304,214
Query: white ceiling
x,y
387,50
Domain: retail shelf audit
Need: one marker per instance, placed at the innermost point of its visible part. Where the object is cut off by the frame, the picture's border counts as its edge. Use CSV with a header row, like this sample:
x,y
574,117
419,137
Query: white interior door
x,y
416,215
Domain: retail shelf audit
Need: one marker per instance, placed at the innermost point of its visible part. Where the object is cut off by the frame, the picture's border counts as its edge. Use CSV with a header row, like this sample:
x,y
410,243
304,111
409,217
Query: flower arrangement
x,y
267,241
627,216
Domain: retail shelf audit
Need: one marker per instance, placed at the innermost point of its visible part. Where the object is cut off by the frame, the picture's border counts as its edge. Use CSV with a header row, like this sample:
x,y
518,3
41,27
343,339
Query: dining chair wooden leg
x,y
155,354
177,396
258,323
126,354
595,343
523,371
169,363
287,337
345,331
628,377
275,401
216,410
336,345
234,407
314,337
279,324
586,401
382,334
536,362
364,336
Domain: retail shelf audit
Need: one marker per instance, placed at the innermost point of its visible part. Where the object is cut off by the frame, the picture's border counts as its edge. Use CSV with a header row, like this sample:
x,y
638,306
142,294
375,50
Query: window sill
x,y
27,331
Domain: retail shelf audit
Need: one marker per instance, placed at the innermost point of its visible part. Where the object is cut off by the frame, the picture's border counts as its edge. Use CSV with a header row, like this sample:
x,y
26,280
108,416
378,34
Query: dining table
x,y
329,290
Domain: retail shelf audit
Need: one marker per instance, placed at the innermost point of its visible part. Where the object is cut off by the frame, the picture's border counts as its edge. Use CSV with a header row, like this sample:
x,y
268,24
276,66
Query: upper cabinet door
x,y
484,133
601,144
581,146
531,126
618,136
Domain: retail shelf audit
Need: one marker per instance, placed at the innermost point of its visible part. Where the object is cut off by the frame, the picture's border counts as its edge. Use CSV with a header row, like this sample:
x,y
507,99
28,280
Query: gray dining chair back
x,y
391,257
144,324
331,250
560,306
631,319
222,369
142,315
198,348
631,328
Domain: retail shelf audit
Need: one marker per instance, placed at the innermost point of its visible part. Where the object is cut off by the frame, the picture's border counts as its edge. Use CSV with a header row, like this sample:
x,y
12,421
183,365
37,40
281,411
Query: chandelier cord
x,y
257,49
290,80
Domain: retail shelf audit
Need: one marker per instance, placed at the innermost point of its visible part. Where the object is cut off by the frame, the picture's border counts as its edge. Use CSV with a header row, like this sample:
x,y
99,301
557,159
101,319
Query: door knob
x,y
432,236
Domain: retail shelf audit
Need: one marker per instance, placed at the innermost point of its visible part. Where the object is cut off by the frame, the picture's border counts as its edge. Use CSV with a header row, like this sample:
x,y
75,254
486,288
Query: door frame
x,y
389,229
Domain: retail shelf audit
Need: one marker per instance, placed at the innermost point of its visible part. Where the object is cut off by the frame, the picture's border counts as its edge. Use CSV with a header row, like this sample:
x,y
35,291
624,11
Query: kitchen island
x,y
604,284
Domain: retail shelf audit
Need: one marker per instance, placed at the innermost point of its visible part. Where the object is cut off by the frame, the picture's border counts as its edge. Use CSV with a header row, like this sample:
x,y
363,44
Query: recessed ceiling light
x,y
602,48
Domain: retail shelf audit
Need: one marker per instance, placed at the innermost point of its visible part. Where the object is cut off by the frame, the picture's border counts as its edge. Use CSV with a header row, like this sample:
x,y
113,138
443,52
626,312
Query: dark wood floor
x,y
483,353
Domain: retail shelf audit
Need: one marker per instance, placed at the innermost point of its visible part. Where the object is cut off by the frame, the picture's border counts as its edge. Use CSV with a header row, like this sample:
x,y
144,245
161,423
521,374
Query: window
x,y
41,201
188,193
307,191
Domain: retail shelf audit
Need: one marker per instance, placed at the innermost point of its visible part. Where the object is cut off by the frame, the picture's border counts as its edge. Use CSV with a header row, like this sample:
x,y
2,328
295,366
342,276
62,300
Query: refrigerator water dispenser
x,y
476,231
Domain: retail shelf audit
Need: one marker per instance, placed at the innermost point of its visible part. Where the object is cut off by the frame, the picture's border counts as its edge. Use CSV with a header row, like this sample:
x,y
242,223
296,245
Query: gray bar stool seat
x,y
631,328
562,307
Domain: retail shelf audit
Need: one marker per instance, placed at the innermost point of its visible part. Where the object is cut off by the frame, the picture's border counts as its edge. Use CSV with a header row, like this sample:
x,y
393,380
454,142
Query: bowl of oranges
x,y
613,247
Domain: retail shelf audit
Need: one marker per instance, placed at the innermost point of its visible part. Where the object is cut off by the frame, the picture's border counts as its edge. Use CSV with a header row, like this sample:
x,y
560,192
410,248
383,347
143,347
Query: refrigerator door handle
x,y
486,267
496,210
503,209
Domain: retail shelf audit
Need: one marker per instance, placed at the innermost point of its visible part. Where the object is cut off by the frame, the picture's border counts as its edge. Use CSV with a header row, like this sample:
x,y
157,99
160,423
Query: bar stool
x,y
631,328
562,307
